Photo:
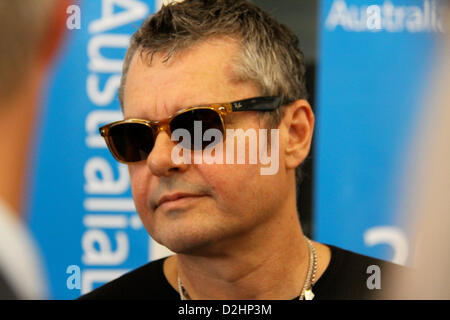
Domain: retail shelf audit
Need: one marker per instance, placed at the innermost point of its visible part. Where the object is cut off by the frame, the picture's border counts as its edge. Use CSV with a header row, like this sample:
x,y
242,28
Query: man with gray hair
x,y
207,67
31,31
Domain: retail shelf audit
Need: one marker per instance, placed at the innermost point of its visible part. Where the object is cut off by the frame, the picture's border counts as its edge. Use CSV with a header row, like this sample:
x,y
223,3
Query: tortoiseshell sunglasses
x,y
132,140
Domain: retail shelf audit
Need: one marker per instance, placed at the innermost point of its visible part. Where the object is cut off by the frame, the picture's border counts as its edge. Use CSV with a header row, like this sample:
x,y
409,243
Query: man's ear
x,y
298,119
53,32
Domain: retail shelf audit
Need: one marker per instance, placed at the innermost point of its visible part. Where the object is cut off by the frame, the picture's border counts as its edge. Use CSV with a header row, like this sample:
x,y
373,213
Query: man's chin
x,y
187,244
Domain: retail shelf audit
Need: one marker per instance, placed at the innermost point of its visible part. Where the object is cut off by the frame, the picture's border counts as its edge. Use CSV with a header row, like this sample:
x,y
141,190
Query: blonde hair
x,y
22,25
427,194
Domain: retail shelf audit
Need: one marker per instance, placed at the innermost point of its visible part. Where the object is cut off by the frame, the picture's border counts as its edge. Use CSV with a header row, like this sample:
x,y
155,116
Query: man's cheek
x,y
138,189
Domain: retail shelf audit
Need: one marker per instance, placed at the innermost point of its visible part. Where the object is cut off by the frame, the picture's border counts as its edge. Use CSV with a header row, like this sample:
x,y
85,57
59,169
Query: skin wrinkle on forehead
x,y
163,109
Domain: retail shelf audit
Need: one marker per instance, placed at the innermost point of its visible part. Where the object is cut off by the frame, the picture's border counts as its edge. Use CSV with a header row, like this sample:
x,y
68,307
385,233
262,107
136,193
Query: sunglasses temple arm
x,y
257,104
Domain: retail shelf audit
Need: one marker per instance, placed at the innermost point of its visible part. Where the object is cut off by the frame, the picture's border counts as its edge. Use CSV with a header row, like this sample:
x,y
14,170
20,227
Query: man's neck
x,y
269,263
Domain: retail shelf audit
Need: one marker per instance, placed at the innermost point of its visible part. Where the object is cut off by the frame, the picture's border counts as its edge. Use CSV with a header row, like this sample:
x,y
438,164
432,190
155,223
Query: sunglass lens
x,y
131,142
197,121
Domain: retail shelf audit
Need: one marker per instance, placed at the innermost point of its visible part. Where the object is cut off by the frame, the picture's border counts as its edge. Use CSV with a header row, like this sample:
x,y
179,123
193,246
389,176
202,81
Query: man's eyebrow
x,y
136,117
229,118
200,104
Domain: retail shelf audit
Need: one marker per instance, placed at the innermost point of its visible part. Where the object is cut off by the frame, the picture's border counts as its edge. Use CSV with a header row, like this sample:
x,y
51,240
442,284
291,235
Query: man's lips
x,y
176,196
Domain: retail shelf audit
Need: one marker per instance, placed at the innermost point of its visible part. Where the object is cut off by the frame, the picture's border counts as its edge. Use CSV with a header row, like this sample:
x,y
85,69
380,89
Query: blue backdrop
x,y
372,65
82,213
373,68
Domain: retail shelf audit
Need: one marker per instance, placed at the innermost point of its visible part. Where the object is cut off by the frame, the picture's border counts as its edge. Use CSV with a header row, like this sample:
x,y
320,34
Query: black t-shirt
x,y
346,277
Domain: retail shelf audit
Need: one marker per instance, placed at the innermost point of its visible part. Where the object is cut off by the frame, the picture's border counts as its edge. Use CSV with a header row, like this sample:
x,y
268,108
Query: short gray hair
x,y
270,55
22,25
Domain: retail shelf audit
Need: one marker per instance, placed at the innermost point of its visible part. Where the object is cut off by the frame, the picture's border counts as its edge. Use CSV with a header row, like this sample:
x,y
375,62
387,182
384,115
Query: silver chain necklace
x,y
305,294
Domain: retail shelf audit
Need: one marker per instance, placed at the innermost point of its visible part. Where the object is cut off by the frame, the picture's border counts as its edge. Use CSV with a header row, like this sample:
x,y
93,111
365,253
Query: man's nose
x,y
160,160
